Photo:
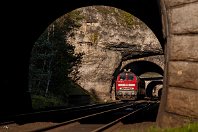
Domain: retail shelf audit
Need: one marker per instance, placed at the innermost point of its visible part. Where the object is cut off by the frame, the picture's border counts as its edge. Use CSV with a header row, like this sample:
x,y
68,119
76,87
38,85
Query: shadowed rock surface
x,y
106,37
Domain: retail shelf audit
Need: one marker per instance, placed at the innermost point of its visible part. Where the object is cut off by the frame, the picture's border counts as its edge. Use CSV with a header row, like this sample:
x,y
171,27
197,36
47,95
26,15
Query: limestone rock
x,y
107,36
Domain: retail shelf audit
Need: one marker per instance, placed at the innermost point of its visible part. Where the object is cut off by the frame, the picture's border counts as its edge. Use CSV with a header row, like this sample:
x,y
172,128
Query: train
x,y
129,86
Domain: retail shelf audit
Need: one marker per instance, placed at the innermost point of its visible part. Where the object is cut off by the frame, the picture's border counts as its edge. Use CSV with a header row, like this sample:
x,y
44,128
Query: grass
x,y
193,127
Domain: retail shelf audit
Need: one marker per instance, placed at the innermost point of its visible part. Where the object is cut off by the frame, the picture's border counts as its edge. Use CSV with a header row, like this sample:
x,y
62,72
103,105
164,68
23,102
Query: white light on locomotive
x,y
119,93
126,84
131,84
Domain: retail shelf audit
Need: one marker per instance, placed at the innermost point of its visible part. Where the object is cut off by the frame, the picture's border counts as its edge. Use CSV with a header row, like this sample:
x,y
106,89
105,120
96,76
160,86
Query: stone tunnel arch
x,y
150,87
180,57
146,11
156,59
151,72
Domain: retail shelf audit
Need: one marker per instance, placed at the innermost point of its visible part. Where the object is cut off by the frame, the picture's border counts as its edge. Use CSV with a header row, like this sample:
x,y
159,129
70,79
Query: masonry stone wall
x,y
179,104
157,59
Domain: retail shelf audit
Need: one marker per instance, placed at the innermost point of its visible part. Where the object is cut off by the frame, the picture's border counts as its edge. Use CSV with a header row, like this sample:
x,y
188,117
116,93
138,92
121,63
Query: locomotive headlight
x,y
121,84
131,84
119,93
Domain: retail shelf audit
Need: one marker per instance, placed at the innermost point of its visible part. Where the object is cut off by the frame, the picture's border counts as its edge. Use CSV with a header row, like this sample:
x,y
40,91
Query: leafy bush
x,y
40,102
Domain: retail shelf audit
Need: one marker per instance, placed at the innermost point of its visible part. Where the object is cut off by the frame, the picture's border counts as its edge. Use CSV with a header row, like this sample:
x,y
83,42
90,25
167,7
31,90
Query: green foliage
x,y
192,127
121,16
105,11
40,102
69,21
127,18
94,38
52,61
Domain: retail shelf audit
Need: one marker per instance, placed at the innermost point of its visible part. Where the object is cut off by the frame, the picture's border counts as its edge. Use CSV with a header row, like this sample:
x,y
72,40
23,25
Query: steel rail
x,y
72,109
13,118
77,119
7,123
119,119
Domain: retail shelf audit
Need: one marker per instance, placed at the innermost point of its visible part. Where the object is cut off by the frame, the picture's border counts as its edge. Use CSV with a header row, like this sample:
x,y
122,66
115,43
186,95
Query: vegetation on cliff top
x,y
124,18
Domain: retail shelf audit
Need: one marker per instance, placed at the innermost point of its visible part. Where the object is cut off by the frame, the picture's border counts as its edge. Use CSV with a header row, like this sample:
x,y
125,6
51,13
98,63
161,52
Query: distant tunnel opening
x,y
150,73
141,67
154,89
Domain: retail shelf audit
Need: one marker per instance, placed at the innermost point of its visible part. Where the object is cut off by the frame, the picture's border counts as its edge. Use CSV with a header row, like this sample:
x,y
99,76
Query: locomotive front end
x,y
126,92
126,86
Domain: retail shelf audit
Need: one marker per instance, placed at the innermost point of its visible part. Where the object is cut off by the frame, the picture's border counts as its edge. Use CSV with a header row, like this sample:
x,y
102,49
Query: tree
x,y
53,59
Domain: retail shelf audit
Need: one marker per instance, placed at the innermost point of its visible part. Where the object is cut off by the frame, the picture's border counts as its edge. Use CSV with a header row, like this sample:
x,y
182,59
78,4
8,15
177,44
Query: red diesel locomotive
x,y
129,86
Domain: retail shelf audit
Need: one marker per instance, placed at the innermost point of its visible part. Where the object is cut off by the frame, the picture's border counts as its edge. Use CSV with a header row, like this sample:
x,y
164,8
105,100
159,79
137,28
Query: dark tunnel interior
x,y
141,67
28,21
151,86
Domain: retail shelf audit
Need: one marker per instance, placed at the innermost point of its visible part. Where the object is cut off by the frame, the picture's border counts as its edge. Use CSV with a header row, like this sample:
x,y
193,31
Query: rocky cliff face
x,y
107,36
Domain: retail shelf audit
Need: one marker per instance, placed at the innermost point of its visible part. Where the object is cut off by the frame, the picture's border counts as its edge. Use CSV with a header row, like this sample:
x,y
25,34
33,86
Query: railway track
x,y
75,121
39,115
93,118
50,114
